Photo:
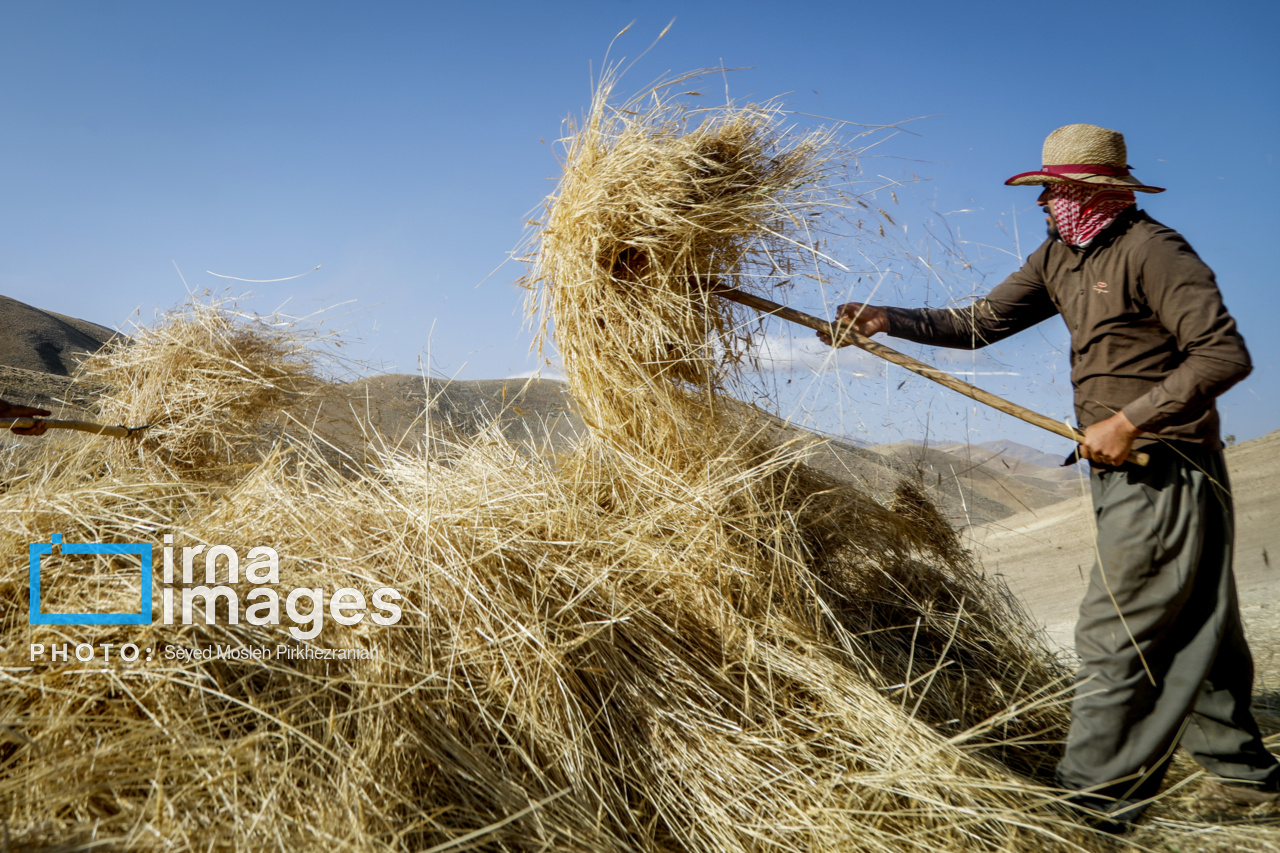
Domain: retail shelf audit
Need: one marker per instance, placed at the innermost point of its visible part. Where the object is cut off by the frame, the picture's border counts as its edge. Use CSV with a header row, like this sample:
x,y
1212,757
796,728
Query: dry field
x,y
667,627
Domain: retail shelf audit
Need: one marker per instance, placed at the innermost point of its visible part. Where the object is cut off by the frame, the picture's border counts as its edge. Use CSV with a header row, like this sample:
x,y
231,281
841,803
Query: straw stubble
x,y
659,205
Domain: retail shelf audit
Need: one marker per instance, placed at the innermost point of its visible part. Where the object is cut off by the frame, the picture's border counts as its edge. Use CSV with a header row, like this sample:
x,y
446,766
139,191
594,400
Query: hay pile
x,y
660,205
608,652
587,659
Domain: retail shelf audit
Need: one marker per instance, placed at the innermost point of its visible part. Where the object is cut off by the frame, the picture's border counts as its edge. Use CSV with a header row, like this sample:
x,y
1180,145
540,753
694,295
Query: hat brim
x,y
1026,179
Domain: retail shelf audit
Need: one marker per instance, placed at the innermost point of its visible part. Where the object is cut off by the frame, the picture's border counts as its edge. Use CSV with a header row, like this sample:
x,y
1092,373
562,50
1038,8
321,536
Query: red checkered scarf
x,y
1080,212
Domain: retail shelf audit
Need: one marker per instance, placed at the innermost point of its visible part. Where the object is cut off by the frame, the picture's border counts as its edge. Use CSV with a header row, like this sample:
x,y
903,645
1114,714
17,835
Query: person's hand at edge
x,y
12,410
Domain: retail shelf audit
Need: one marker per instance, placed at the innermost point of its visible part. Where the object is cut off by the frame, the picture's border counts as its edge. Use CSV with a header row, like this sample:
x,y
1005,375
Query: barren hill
x,y
38,352
43,341
402,407
1012,482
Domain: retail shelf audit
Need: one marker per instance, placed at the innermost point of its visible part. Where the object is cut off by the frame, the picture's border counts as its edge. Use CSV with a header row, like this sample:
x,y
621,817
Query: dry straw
x,y
605,652
206,382
660,204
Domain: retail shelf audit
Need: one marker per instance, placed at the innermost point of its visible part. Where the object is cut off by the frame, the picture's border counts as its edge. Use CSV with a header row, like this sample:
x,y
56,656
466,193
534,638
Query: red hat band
x,y
1087,169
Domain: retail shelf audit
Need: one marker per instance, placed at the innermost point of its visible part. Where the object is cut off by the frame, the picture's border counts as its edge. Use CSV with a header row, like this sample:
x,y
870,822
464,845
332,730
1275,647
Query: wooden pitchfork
x,y
845,333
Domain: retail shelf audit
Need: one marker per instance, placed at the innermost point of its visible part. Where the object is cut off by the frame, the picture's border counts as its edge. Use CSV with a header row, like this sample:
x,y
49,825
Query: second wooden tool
x,y
80,426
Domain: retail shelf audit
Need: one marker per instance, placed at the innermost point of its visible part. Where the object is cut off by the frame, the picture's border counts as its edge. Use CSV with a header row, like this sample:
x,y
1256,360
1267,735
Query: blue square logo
x,y
142,550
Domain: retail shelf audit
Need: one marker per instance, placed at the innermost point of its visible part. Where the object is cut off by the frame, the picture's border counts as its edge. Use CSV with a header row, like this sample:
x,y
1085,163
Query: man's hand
x,y
864,319
1109,442
11,410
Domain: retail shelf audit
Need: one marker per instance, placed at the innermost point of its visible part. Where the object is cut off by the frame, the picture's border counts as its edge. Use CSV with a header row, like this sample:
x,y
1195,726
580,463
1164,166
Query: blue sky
x,y
402,146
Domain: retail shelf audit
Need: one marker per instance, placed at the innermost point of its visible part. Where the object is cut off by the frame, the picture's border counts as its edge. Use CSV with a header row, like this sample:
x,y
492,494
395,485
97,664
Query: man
x,y
1164,659
13,410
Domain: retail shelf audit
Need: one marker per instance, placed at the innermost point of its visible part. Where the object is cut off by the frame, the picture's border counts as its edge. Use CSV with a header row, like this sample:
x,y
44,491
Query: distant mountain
x,y
1013,483
405,408
1017,459
43,341
38,351
1014,450
1003,447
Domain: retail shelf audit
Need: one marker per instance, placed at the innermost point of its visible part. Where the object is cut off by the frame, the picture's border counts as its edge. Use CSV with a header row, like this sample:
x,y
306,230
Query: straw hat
x,y
1084,154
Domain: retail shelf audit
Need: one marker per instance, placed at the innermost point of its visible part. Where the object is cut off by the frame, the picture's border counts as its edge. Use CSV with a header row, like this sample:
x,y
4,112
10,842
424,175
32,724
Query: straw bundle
x,y
210,383
595,656
659,205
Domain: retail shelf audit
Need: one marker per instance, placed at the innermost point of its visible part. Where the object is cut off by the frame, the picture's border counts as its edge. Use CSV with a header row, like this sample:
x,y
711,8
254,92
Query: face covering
x,y
1081,212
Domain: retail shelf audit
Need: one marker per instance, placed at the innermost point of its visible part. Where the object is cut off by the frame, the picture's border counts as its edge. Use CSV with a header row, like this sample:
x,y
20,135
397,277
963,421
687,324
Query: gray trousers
x,y
1164,658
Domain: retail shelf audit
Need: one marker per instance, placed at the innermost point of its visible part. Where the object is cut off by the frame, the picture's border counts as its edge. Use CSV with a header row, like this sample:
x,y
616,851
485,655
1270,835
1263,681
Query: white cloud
x,y
547,371
786,353
984,373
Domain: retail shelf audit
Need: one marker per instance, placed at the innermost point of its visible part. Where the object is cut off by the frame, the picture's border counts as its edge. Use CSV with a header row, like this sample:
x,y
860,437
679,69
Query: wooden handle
x,y
847,334
81,426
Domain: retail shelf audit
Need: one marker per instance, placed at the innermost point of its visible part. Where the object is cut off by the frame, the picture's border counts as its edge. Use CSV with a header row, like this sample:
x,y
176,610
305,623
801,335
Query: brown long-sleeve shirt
x,y
1150,335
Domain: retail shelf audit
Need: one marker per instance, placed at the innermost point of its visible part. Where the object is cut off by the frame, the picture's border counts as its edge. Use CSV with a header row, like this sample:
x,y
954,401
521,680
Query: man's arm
x,y
1183,294
1017,303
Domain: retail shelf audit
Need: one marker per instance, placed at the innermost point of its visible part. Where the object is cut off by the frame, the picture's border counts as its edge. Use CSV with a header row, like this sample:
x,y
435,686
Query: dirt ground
x,y
1045,555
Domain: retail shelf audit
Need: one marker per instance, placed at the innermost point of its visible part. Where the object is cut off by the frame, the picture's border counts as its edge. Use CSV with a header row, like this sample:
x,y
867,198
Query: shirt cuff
x,y
892,314
1142,412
